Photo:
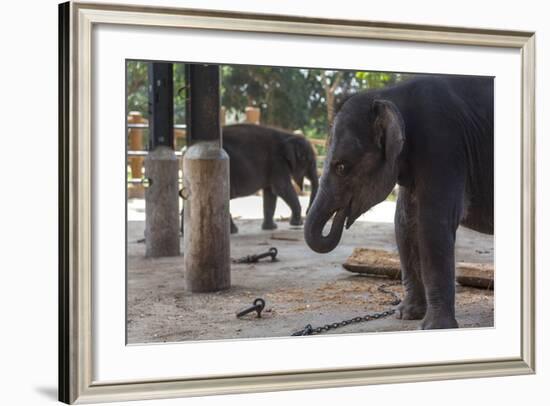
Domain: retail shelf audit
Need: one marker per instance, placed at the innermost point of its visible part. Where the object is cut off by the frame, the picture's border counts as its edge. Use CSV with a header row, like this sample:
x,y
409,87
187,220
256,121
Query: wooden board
x,y
386,264
374,262
476,275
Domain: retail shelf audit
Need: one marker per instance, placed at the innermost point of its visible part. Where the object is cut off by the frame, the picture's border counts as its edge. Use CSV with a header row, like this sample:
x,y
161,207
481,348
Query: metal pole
x,y
161,167
206,186
203,103
161,105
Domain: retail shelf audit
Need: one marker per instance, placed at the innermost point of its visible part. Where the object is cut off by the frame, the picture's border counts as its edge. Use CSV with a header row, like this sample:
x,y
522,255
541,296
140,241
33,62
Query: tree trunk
x,y
330,90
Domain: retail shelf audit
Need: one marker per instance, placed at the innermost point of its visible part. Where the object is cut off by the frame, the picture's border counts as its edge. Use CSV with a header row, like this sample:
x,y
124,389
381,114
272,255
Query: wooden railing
x,y
137,125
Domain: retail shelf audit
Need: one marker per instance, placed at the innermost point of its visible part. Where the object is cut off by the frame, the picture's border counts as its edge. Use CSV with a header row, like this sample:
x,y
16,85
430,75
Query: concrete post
x,y
206,216
161,167
207,263
161,203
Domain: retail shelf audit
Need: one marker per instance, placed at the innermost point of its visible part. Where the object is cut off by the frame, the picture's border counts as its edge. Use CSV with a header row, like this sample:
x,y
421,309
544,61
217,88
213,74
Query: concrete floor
x,y
301,288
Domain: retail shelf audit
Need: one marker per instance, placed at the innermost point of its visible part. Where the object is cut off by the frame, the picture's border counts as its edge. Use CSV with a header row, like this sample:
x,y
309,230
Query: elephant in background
x,y
433,136
268,158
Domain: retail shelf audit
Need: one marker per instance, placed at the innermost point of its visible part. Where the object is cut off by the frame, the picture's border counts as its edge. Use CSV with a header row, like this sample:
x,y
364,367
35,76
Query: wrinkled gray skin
x,y
268,158
433,136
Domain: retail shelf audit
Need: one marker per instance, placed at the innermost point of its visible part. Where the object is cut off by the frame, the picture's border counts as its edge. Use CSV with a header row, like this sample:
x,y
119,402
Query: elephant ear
x,y
295,156
292,153
389,129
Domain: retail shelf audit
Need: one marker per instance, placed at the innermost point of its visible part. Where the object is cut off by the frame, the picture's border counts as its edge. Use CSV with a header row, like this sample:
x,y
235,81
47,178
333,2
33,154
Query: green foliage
x,y
280,93
290,98
179,93
374,80
138,96
136,87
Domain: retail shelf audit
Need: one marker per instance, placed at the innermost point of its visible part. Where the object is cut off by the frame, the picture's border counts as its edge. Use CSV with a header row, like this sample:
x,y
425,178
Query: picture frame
x,y
76,343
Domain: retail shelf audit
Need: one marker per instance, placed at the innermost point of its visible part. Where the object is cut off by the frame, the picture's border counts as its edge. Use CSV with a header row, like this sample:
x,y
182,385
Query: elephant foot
x,y
296,221
234,229
409,310
269,225
436,320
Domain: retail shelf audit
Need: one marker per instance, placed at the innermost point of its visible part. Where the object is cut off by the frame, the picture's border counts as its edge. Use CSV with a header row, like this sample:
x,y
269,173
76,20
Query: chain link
x,y
309,330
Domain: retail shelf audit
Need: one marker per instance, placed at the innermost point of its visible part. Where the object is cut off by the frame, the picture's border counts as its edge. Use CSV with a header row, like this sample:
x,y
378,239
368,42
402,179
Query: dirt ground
x,y
301,288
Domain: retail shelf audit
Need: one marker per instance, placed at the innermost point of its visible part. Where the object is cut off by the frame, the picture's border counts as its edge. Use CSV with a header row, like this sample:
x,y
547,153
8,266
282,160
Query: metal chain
x,y
309,330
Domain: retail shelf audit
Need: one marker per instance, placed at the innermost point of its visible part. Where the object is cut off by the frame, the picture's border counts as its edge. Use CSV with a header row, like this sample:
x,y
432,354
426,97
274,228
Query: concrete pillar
x,y
161,167
161,203
207,262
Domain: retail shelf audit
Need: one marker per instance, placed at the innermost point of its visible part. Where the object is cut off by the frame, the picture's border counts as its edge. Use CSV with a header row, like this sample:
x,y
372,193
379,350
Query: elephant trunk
x,y
319,214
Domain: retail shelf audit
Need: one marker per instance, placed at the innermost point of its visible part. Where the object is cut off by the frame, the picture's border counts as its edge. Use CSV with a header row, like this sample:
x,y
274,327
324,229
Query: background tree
x,y
137,84
290,98
179,93
136,87
280,93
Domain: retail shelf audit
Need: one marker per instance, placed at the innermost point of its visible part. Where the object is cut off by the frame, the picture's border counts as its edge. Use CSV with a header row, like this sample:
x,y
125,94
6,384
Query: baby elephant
x,y
434,137
268,158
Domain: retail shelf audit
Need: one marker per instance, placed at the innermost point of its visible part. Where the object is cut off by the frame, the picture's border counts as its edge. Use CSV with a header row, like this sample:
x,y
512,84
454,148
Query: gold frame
x,y
75,370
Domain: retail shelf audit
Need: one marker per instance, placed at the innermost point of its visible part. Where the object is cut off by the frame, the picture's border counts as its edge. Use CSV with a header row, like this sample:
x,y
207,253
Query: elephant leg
x,y
233,228
288,194
413,306
270,201
438,218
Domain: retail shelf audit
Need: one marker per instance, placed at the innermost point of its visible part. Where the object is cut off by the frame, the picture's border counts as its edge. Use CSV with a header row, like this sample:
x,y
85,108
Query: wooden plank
x,y
374,262
386,264
476,275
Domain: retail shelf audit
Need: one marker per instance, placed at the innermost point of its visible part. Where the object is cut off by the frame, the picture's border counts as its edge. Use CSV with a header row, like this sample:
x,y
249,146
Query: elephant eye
x,y
340,169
